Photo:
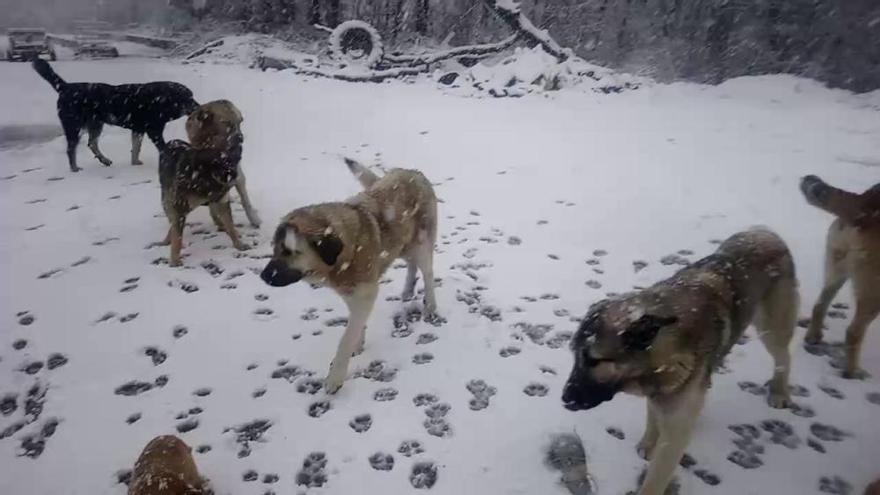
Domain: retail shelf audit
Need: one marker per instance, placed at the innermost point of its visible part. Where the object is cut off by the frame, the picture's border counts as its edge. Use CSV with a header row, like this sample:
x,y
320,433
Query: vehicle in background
x,y
27,43
92,38
94,47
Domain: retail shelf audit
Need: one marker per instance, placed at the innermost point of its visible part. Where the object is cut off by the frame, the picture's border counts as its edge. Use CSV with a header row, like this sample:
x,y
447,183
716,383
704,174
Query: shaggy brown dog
x,y
166,467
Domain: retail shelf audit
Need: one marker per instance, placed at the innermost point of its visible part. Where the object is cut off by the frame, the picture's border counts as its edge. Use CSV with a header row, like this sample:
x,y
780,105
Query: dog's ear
x,y
641,333
328,248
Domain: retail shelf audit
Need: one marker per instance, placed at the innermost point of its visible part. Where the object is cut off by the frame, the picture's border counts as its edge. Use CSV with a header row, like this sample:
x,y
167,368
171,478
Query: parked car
x,y
95,48
27,43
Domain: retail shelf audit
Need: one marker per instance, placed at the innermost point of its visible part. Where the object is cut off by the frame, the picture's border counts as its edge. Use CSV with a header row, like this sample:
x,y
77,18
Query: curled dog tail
x,y
45,70
364,176
856,209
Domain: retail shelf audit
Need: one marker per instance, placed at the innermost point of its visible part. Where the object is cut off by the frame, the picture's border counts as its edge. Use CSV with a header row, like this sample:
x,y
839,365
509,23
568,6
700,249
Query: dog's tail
x,y
45,70
856,209
361,173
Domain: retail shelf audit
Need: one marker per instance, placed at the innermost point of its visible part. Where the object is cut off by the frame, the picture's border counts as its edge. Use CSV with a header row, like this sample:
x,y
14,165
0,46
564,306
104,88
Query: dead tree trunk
x,y
422,13
315,12
332,16
397,16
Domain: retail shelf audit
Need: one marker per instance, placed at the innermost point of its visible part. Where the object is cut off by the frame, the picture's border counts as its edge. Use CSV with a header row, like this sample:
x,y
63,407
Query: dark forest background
x,y
835,41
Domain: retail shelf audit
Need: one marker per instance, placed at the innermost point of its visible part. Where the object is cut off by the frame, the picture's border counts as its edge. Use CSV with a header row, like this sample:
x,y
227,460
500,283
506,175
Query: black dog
x,y
143,108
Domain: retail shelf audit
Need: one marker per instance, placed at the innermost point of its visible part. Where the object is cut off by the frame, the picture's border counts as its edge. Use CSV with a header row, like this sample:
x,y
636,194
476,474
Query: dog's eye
x,y
286,252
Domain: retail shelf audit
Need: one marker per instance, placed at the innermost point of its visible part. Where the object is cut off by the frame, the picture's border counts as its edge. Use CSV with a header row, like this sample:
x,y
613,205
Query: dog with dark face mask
x,y
664,342
347,246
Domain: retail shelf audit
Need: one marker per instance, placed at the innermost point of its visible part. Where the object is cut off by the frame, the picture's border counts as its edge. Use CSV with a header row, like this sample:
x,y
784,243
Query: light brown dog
x,y
166,467
211,126
873,488
349,245
664,342
852,252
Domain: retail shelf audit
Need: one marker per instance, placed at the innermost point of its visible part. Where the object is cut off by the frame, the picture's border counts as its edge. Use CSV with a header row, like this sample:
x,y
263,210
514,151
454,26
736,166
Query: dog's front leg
x,y
223,212
249,210
675,423
360,305
424,258
409,286
649,439
94,134
137,138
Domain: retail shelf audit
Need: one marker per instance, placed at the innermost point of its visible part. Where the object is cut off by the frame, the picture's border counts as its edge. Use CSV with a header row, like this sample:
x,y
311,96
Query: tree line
x,y
836,41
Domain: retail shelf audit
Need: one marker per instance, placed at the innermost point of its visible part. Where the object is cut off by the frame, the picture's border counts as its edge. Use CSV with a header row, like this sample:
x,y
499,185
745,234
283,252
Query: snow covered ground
x,y
548,202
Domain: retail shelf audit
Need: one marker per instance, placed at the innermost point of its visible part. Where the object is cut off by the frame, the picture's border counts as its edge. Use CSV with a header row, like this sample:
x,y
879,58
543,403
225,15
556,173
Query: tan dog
x,y
349,245
211,126
873,488
194,176
166,467
852,252
664,342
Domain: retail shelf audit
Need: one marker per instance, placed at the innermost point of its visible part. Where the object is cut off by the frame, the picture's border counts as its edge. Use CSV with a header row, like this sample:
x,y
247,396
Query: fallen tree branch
x,y
458,51
204,49
265,62
509,12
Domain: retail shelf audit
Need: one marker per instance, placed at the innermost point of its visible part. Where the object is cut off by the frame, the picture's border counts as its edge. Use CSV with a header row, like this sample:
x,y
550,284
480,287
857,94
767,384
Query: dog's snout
x,y
583,392
278,274
569,398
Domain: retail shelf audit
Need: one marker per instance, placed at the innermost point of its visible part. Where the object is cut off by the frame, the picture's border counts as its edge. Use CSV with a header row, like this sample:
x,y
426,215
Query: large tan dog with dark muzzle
x,y
664,342
166,467
852,252
349,245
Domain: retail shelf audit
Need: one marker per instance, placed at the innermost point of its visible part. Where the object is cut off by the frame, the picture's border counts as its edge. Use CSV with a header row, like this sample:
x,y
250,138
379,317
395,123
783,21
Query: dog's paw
x,y
813,335
175,263
407,295
855,374
75,169
430,308
242,246
105,161
644,449
136,162
254,220
779,401
333,382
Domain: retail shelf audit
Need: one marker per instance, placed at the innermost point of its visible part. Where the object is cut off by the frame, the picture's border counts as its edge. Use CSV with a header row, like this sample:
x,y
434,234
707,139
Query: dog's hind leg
x,y
867,310
95,129
155,135
675,423
835,276
866,287
360,304
249,210
71,132
775,321
222,211
175,235
137,138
